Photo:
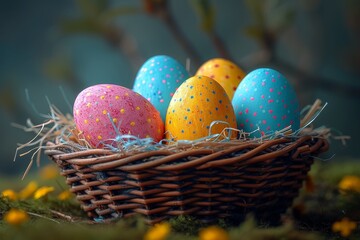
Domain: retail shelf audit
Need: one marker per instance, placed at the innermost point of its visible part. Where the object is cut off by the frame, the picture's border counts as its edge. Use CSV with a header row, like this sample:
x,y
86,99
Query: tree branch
x,y
161,10
219,45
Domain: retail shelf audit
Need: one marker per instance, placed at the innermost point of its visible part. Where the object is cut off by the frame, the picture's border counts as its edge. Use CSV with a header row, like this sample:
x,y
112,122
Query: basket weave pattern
x,y
209,181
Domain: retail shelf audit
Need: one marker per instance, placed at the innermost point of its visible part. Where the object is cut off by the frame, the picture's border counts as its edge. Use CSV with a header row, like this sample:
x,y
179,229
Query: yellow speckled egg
x,y
198,102
225,72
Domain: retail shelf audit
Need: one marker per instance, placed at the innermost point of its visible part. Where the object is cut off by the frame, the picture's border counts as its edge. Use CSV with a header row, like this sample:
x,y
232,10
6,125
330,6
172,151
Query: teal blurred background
x,y
50,47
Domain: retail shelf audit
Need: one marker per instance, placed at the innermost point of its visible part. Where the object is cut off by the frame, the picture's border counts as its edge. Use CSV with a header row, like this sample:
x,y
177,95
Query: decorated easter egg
x,y
104,112
199,107
158,79
225,72
266,101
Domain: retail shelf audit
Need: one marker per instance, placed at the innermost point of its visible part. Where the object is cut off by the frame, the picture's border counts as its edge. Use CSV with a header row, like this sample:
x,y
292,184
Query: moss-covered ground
x,y
322,211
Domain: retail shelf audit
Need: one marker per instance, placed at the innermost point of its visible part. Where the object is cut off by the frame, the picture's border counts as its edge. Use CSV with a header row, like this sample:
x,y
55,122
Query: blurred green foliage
x,y
206,11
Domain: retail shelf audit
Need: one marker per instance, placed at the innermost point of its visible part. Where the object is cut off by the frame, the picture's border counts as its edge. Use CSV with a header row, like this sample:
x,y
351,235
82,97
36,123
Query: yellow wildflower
x,y
345,227
158,232
9,194
64,195
16,216
43,191
49,172
213,233
350,183
29,190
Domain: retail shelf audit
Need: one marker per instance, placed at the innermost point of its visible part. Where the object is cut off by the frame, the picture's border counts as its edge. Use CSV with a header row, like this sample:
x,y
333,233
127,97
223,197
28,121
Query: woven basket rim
x,y
103,159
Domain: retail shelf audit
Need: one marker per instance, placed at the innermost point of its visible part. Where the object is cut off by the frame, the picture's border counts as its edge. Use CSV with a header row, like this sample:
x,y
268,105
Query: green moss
x,y
331,172
186,225
251,231
42,229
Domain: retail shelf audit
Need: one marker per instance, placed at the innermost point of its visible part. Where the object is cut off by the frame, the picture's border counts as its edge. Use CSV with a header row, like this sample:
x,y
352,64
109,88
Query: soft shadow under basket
x,y
207,180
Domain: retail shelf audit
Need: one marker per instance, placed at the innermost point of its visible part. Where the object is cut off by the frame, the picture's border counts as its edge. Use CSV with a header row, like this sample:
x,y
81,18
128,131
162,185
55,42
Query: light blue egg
x,y
266,101
158,79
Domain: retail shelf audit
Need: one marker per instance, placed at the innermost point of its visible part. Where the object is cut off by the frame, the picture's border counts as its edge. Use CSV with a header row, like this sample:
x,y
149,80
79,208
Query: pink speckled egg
x,y
102,112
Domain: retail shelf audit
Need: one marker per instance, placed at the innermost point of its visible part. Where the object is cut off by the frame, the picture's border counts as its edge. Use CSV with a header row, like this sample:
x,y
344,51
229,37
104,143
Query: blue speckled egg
x,y
265,100
158,79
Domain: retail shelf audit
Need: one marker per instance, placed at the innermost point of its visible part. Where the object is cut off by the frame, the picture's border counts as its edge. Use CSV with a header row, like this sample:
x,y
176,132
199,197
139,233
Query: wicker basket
x,y
210,180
